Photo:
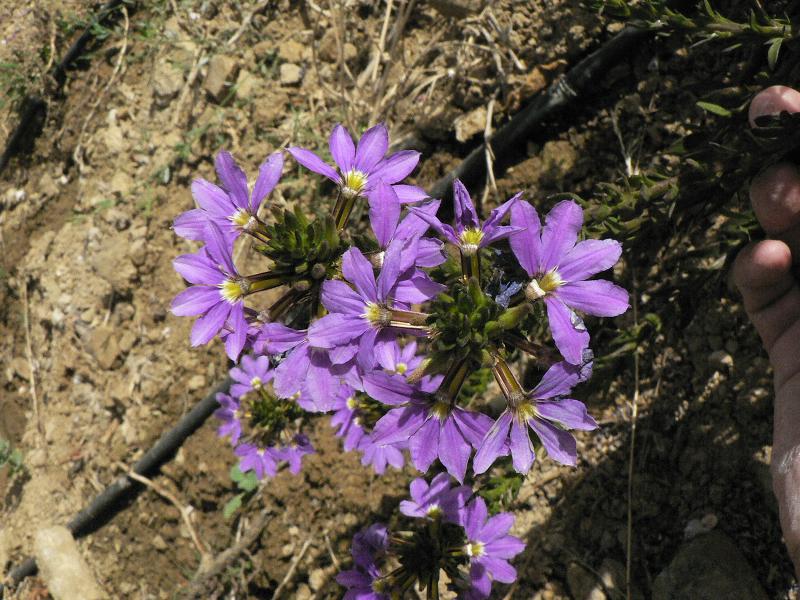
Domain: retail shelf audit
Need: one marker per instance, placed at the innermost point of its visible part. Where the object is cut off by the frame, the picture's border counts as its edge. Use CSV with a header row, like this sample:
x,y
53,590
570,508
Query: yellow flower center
x,y
353,183
352,403
470,241
400,368
379,316
233,290
241,218
539,288
440,409
474,549
434,511
256,383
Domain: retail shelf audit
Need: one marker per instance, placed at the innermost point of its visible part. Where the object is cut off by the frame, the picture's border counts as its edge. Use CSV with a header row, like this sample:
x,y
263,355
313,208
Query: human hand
x,y
764,272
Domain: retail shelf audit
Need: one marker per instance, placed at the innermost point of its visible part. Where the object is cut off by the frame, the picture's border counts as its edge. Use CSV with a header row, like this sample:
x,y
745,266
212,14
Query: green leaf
x,y
232,506
774,50
236,474
715,108
249,482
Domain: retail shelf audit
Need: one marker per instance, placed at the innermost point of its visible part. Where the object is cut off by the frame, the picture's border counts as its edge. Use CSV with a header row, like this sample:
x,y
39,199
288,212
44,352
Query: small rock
x,y
303,592
458,8
62,567
558,159
290,51
720,359
472,123
167,83
709,567
317,579
222,71
159,543
138,252
246,84
196,382
583,584
126,341
121,183
103,345
290,74
287,550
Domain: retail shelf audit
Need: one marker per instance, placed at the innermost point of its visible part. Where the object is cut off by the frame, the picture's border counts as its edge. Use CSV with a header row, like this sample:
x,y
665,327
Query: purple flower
x,y
217,294
294,452
434,426
360,320
546,413
489,547
346,417
381,456
232,207
559,266
250,374
263,461
436,500
363,582
470,234
362,167
401,360
230,415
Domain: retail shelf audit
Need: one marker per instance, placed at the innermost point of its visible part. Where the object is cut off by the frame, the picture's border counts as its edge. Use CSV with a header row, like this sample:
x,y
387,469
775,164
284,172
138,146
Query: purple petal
x,y
559,380
453,451
320,383
338,297
268,175
388,389
466,217
371,148
570,340
430,252
235,342
527,244
505,547
342,148
390,270
384,212
312,162
588,258
233,179
493,444
195,300
197,268
342,354
561,229
417,289
560,444
412,225
475,518
366,356
424,445
191,225
496,527
292,372
336,329
443,229
473,425
212,198
499,213
409,193
496,233
398,425
500,569
280,338
397,167
522,453
207,326
219,248
570,413
596,297
358,271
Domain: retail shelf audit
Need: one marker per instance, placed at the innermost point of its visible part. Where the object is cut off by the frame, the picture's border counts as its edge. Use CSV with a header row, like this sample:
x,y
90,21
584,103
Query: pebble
x,y
62,567
720,359
159,543
470,124
583,584
167,83
303,592
290,74
317,578
196,382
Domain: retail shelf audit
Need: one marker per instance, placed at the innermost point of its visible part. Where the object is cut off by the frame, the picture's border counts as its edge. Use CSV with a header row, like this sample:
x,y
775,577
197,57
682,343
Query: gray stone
x,y
316,579
583,584
167,82
62,567
709,567
103,345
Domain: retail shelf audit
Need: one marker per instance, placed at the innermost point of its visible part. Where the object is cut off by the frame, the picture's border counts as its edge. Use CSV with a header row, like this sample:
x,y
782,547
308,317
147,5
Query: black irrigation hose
x,y
34,108
575,84
111,500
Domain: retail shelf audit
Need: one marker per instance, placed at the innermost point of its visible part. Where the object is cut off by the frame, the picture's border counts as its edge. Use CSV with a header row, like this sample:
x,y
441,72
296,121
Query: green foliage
x,y
247,483
11,457
499,491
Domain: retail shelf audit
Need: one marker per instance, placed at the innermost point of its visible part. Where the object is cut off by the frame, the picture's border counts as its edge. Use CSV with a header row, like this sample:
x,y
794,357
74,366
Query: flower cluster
x,y
396,333
454,534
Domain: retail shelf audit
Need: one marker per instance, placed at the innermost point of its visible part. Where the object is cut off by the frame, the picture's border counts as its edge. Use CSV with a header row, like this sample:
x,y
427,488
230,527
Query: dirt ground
x,y
94,367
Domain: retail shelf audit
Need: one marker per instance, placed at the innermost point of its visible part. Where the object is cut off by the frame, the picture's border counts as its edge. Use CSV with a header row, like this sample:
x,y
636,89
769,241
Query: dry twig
x,y
292,568
32,370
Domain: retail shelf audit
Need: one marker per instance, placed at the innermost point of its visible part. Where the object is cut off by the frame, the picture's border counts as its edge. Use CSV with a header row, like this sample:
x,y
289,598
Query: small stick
x,y
248,18
185,511
634,415
290,573
199,57
487,142
332,554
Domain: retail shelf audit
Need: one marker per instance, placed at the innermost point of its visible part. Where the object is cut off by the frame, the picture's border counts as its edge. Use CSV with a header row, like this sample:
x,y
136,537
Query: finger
x,y
762,272
775,196
772,101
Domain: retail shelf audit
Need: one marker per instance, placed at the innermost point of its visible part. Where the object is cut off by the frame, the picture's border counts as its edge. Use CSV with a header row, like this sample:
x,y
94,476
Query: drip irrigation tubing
x,y
577,83
33,107
111,500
